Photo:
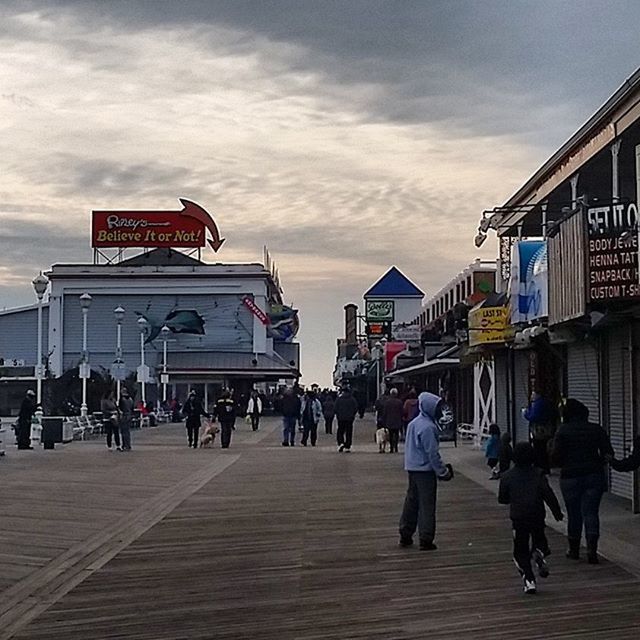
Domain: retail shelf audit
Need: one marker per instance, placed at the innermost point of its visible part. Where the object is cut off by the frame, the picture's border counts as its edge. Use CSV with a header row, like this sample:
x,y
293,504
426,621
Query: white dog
x,y
208,434
382,438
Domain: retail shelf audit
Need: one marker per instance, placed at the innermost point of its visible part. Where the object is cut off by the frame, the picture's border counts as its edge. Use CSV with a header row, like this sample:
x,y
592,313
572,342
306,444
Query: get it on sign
x,y
186,228
612,254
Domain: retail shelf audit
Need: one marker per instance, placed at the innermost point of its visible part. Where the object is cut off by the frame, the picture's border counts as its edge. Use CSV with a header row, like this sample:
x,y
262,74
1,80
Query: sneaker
x,y
347,449
427,546
543,569
405,542
285,444
340,448
304,444
529,586
109,447
118,448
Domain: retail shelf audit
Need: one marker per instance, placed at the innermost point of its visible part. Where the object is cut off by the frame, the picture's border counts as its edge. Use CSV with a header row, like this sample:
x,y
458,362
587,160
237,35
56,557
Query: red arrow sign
x,y
193,210
184,228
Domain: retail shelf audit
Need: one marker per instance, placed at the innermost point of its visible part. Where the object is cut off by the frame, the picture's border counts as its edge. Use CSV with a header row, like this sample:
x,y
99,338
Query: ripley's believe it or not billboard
x,y
181,229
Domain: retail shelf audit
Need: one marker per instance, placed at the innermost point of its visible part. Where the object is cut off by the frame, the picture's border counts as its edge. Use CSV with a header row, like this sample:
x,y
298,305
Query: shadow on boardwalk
x,y
301,543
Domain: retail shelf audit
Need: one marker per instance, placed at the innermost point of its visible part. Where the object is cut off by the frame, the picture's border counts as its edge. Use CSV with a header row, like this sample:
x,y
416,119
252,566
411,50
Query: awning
x,y
446,359
230,364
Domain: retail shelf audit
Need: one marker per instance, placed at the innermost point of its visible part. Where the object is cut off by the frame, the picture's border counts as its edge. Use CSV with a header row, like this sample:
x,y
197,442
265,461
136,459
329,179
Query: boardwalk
x,y
266,542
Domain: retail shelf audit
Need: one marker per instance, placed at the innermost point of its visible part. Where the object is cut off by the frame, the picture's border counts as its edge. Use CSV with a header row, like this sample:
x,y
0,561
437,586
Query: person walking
x,y
379,407
579,449
424,466
411,411
290,405
254,409
110,420
346,407
391,418
226,411
542,417
27,411
193,409
361,400
526,489
125,407
329,412
492,450
310,414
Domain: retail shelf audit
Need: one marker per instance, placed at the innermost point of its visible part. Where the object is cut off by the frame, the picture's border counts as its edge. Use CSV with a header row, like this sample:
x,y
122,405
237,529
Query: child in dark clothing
x,y
506,454
492,447
526,489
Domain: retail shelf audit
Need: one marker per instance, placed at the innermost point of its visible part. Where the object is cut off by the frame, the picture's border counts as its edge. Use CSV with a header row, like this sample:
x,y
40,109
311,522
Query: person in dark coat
x,y
579,449
361,400
290,407
379,407
391,419
346,410
526,489
329,412
27,411
193,409
125,407
542,417
110,419
226,411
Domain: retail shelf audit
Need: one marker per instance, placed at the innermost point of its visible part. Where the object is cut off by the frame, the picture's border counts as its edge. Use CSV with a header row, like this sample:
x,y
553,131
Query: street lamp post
x,y
142,324
118,312
85,371
379,357
165,331
40,284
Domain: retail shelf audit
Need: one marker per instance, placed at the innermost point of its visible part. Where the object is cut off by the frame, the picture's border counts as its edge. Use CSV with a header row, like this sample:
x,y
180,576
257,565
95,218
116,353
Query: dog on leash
x,y
382,439
208,433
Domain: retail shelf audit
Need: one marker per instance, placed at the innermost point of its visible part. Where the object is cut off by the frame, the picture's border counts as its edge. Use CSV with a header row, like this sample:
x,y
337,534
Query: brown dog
x,y
208,433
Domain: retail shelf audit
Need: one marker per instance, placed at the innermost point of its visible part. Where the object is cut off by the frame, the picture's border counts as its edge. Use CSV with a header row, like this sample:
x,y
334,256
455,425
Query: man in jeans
x,y
346,408
290,416
424,465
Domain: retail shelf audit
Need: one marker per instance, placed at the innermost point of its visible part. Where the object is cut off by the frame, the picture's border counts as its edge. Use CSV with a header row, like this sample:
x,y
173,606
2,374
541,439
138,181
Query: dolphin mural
x,y
178,320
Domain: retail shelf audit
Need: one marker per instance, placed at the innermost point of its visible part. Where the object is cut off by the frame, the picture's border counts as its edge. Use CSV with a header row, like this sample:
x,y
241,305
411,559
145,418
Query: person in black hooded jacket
x,y
580,448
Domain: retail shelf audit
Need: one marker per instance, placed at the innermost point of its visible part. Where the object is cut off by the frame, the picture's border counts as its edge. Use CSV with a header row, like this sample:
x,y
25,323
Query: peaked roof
x,y
394,284
161,257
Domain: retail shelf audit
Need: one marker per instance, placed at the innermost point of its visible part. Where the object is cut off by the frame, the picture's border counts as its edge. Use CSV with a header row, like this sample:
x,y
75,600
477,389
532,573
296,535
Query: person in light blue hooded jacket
x,y
424,465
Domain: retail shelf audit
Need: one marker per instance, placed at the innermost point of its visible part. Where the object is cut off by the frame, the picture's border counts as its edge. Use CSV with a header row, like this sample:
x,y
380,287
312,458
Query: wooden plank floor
x,y
301,543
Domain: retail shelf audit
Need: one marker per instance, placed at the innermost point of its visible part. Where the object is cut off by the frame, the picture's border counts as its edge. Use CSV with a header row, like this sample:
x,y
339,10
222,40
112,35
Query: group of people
x,y
579,448
117,417
395,414
308,409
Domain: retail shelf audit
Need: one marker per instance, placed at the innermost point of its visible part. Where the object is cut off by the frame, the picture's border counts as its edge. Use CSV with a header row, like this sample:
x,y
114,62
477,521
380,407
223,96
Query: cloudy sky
x,y
346,135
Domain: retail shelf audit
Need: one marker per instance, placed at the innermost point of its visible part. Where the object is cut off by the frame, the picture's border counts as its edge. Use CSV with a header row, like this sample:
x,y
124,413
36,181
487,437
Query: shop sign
x,y
256,310
612,255
376,329
181,229
391,351
489,325
380,310
529,288
409,333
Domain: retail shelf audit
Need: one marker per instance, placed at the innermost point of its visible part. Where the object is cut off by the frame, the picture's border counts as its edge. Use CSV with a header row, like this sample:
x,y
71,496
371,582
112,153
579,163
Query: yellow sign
x,y
489,325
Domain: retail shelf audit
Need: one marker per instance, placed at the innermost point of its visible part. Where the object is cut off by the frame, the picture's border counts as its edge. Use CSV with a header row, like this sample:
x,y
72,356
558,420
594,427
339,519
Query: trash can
x,y
51,431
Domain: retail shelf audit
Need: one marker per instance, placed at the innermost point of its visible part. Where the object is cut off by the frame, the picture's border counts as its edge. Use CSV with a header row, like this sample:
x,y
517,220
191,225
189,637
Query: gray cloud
x,y
476,67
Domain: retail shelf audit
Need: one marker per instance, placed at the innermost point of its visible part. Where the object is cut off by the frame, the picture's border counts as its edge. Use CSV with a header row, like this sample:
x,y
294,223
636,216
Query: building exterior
x,y
581,205
383,331
218,316
442,365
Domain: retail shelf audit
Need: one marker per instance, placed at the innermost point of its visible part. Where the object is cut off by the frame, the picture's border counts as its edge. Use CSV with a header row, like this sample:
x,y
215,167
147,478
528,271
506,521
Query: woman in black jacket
x,y
579,449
